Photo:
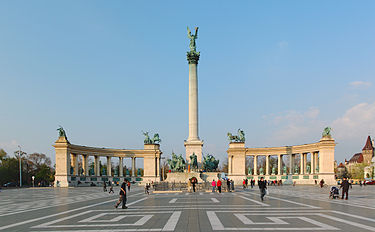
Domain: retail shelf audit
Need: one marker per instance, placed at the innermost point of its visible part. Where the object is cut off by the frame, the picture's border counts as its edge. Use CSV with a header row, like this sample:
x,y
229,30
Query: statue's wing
x,y
189,32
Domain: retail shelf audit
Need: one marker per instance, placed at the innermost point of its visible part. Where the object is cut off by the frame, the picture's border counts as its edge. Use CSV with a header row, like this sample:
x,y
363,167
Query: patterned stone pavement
x,y
287,208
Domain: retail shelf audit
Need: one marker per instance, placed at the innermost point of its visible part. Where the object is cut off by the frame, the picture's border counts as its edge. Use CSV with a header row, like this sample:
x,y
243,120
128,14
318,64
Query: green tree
x,y
3,154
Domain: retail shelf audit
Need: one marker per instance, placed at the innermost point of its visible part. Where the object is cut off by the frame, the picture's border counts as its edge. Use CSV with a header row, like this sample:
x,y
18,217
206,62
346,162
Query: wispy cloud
x,y
360,84
9,146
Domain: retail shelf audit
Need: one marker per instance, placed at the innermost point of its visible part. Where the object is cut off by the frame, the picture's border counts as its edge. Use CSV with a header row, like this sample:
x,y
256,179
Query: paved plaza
x,y
287,208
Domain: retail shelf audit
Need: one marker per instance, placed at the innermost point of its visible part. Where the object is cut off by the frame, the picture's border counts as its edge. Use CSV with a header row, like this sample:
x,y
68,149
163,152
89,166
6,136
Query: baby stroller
x,y
334,192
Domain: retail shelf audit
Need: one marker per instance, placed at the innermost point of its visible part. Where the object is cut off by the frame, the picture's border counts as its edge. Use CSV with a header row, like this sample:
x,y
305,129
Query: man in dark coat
x,y
262,186
345,188
122,196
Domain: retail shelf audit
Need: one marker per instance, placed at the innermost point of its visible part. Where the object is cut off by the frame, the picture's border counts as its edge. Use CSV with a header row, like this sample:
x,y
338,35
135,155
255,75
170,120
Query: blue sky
x,y
106,70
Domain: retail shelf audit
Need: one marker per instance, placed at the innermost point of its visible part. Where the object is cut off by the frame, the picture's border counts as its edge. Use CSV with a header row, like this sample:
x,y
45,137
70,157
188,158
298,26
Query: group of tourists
x,y
245,183
217,185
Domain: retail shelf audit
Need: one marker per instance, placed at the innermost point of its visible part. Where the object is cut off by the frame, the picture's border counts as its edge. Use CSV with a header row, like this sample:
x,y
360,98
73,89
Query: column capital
x,y
193,57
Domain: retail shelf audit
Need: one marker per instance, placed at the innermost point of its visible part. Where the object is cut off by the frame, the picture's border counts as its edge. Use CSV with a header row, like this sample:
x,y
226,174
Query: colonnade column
x,y
305,163
312,155
109,166
301,163
75,164
279,164
267,164
291,164
157,166
316,162
96,166
121,167
255,165
133,166
85,161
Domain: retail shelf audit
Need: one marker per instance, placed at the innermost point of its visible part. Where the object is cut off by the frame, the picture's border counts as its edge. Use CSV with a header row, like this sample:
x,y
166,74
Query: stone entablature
x,y
322,162
67,158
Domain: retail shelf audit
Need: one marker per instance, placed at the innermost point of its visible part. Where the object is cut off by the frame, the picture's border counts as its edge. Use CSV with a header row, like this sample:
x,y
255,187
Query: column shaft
x,y
267,164
312,155
193,103
305,163
96,166
109,166
121,167
301,163
85,160
133,166
255,165
75,164
279,165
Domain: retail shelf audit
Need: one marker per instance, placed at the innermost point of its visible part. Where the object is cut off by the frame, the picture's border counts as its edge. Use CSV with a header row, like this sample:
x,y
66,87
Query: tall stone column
x,y
109,166
85,164
75,164
121,167
305,163
279,164
301,162
97,166
291,170
316,162
255,165
267,164
193,144
312,155
133,166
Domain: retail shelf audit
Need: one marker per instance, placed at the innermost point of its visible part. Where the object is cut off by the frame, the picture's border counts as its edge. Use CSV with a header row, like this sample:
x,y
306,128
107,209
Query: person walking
x,y
345,188
232,184
122,196
110,187
219,185
321,183
262,187
228,185
129,186
247,182
213,186
244,184
147,189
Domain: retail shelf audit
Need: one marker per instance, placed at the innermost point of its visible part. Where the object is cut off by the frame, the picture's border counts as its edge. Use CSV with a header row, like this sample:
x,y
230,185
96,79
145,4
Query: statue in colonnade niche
x,y
273,170
193,161
127,172
104,171
284,170
308,168
261,171
327,132
249,171
317,169
71,170
116,171
237,138
296,169
210,164
139,172
91,171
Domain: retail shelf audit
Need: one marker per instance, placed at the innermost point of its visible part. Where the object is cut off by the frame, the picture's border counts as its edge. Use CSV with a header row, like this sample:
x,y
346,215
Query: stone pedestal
x,y
194,147
62,162
238,162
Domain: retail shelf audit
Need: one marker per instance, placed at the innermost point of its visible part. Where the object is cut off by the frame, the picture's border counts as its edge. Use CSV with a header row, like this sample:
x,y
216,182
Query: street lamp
x,y
19,153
